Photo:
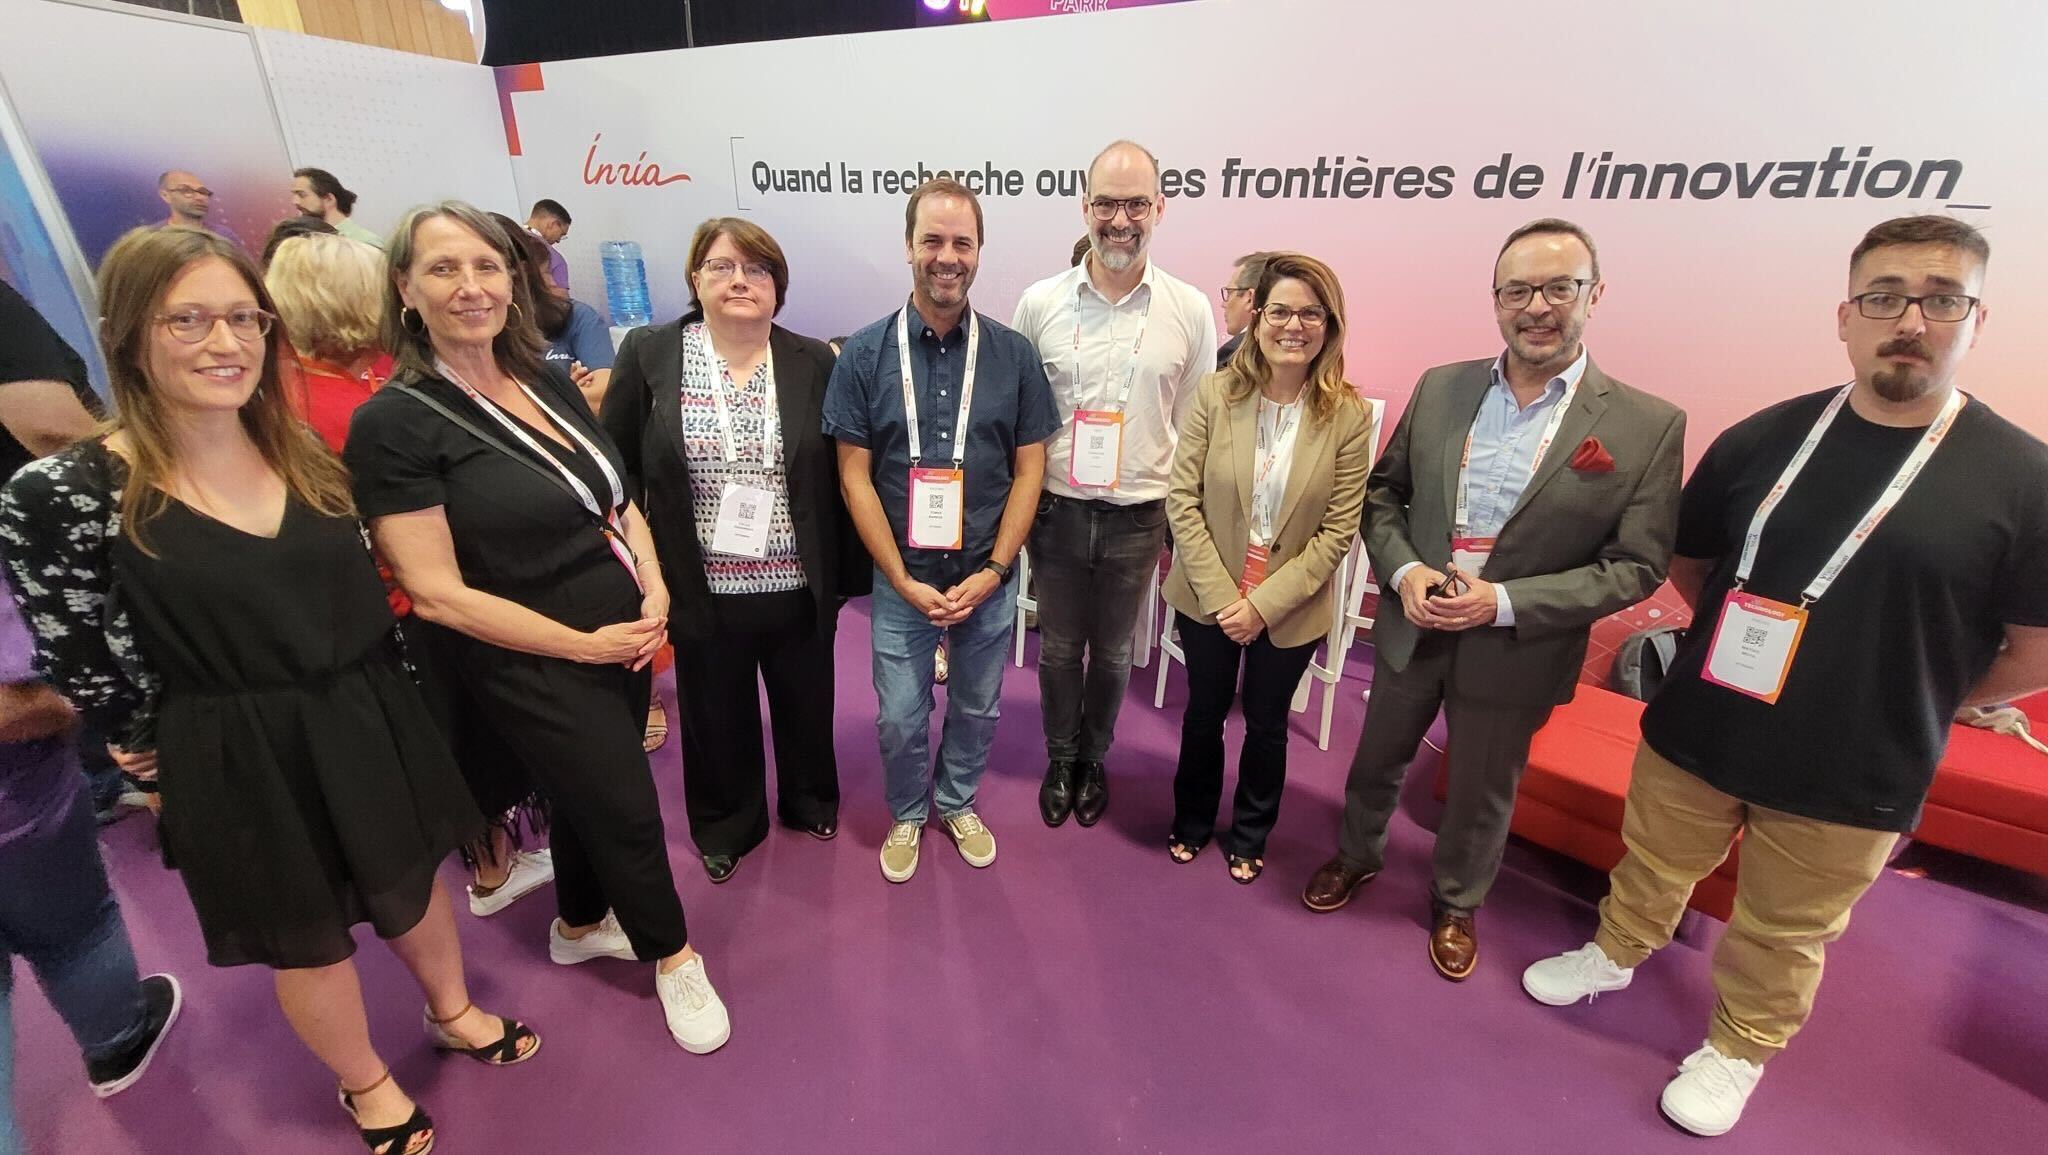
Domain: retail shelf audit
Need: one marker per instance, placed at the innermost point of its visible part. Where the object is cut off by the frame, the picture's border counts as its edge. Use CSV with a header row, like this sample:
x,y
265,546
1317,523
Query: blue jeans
x,y
976,649
57,913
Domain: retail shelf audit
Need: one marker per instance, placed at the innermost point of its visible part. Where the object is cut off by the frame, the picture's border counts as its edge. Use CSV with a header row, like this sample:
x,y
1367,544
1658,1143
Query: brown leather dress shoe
x,y
1454,944
1332,885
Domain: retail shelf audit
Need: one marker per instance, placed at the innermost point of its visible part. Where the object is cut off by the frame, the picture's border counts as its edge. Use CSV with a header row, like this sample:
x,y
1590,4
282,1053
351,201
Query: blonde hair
x,y
134,279
330,294
1248,368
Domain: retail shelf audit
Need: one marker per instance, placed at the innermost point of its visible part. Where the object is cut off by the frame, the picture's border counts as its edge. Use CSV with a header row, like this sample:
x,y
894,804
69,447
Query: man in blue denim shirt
x,y
977,448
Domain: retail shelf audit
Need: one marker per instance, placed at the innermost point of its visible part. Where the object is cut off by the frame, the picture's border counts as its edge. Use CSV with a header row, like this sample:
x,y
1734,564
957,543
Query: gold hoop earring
x,y
408,326
513,306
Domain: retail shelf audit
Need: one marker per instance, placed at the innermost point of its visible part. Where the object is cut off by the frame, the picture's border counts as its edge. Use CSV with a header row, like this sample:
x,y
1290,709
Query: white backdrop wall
x,y
1721,301
396,128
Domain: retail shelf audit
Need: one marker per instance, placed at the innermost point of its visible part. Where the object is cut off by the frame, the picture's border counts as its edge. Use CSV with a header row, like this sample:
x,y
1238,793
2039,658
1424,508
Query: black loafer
x,y
822,831
721,866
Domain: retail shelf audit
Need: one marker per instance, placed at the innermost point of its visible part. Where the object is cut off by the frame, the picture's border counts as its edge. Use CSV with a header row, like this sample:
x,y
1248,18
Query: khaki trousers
x,y
1798,881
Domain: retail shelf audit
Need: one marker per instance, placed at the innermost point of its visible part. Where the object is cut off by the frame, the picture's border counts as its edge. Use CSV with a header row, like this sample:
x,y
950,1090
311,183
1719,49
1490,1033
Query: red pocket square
x,y
1592,457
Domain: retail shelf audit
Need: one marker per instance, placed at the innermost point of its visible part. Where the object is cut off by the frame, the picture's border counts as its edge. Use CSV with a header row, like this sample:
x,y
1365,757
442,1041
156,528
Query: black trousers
x,y
1270,675
761,639
576,730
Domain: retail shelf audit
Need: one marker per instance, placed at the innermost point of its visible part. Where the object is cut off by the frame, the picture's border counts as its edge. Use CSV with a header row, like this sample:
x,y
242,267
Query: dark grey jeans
x,y
1091,563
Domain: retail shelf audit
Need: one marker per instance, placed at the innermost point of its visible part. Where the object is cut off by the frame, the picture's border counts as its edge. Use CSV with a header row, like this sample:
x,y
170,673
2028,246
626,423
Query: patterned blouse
x,y
704,371
58,518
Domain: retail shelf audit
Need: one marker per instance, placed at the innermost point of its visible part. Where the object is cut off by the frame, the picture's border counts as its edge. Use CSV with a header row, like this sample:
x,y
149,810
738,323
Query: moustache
x,y
1907,346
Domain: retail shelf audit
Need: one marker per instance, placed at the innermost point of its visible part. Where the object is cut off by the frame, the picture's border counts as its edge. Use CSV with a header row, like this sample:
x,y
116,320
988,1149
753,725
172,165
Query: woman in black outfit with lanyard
x,y
500,503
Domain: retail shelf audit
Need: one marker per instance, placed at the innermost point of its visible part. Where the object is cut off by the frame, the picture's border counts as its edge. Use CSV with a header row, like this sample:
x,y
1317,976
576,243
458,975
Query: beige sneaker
x,y
899,852
976,844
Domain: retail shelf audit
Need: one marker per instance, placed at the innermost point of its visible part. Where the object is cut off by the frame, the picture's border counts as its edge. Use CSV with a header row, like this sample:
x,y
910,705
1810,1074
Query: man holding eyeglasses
x,y
1861,562
1125,345
1238,309
1521,499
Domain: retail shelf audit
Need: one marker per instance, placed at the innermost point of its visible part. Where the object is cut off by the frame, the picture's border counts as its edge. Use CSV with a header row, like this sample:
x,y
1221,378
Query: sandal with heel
x,y
390,1140
503,1053
1254,867
1183,851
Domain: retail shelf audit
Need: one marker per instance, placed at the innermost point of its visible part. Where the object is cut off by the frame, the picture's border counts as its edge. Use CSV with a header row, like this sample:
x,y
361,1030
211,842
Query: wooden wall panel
x,y
421,26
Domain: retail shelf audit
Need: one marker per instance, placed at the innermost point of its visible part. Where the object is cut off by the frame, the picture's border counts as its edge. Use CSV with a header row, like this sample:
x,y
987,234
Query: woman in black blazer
x,y
717,415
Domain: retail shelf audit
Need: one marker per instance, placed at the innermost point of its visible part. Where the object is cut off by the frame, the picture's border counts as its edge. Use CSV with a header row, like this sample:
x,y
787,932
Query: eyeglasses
x,y
1312,317
1224,294
196,325
1943,308
720,269
1136,208
1562,291
188,190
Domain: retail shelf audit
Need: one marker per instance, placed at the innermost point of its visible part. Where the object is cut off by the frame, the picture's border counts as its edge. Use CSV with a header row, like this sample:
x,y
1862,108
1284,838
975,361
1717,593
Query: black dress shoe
x,y
1091,792
721,866
1056,796
824,831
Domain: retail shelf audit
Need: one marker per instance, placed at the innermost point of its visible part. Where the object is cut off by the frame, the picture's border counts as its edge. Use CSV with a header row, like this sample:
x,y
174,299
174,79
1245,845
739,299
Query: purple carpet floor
x,y
1085,994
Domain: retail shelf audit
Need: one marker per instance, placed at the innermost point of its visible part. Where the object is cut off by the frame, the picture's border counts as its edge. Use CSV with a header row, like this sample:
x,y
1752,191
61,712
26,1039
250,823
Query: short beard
x,y
1899,385
1117,260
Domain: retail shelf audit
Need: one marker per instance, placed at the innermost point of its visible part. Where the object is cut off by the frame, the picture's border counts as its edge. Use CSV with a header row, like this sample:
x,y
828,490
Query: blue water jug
x,y
625,283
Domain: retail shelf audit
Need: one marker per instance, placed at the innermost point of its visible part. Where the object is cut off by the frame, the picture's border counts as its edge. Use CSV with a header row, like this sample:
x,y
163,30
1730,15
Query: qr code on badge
x,y
1754,636
747,509
935,502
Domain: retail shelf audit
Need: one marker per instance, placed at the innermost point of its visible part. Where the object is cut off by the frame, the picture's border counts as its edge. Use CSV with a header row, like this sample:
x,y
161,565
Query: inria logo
x,y
639,172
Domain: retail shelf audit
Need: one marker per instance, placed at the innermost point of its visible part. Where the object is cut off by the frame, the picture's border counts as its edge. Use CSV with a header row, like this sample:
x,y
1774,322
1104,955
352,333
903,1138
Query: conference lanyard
x,y
1462,514
614,530
1266,489
1123,393
1886,501
910,390
771,425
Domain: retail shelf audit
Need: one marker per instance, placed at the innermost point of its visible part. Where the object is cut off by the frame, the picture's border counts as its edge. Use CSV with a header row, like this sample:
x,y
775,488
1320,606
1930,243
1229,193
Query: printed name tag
x,y
1255,558
938,503
1098,446
1754,644
1469,554
743,516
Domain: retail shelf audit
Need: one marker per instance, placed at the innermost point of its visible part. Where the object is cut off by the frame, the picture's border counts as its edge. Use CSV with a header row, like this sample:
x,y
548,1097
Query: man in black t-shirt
x,y
1861,562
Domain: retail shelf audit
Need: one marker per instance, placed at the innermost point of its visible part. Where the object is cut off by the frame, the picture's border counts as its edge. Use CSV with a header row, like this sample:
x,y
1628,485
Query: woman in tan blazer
x,y
1267,488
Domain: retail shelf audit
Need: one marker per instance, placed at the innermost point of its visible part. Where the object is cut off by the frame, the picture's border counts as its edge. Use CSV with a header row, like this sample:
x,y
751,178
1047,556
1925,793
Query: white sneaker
x,y
530,871
1710,1091
696,1015
606,941
1584,973
899,851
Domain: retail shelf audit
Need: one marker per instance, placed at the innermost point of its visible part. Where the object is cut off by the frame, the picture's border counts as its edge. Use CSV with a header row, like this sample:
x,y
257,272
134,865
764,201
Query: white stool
x,y
1026,602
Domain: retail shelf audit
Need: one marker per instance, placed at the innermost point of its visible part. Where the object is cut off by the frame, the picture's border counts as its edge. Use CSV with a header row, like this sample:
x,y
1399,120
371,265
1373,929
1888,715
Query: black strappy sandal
x,y
390,1140
502,1053
1257,866
1184,852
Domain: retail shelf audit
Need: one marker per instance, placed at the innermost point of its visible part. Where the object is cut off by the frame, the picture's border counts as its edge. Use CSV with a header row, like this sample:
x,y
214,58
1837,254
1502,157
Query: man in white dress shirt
x,y
1125,346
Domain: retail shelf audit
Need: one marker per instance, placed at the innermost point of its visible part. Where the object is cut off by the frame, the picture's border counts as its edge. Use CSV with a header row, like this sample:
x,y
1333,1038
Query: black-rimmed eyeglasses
x,y
1135,208
1943,308
1562,291
195,325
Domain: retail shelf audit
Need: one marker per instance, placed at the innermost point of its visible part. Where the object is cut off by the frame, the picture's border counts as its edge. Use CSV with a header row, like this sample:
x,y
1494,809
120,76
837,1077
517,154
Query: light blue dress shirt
x,y
1504,439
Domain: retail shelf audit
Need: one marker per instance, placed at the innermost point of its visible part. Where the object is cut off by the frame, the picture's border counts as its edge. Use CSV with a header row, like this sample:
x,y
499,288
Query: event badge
x,y
1469,554
1753,647
742,526
1255,558
1098,447
938,503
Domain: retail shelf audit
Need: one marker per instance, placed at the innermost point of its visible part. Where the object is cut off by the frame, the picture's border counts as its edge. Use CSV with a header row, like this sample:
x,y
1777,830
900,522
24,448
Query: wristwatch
x,y
1002,571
